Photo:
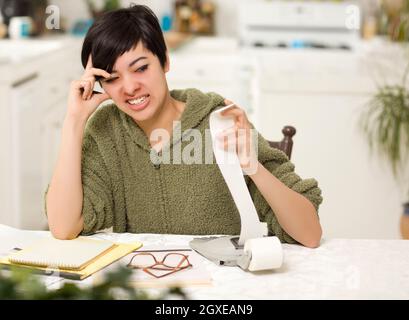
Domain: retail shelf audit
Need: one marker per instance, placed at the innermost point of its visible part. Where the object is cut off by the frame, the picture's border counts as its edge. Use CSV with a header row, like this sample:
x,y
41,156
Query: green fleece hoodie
x,y
123,189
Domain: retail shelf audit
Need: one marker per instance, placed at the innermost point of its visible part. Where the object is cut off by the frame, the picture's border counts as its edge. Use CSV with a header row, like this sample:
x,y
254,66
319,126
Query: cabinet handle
x,y
24,80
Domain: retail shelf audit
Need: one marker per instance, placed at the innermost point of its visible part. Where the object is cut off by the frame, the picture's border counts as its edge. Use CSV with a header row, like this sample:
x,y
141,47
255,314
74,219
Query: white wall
x,y
226,17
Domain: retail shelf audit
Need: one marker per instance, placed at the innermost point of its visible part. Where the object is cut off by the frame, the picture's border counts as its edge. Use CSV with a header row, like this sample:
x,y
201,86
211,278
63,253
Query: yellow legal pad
x,y
73,259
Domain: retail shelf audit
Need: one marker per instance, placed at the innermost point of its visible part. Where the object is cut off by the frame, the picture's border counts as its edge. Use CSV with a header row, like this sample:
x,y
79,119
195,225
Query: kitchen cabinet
x,y
213,65
361,199
26,156
322,94
32,106
51,135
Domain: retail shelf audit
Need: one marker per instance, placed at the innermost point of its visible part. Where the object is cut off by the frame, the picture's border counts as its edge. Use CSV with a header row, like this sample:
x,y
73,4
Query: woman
x,y
105,174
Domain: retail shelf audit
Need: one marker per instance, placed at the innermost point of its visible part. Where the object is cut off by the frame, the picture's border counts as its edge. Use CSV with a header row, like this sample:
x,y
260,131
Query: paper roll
x,y
259,253
266,253
229,165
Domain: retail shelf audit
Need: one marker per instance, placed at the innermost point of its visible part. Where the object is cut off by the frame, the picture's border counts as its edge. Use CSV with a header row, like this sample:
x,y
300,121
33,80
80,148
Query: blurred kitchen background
x,y
314,65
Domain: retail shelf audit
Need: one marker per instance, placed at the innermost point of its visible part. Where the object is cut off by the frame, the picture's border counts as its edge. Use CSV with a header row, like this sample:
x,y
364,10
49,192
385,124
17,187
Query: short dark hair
x,y
117,32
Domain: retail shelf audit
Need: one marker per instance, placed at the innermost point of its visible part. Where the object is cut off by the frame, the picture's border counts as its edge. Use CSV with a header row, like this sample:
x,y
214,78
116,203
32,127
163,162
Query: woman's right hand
x,y
82,101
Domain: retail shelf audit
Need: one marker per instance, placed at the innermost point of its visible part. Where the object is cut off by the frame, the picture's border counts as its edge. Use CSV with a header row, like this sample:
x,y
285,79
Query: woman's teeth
x,y
137,101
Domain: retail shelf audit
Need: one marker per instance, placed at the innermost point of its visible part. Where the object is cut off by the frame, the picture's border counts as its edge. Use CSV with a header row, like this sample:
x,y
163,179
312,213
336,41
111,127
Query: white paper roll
x,y
266,253
229,165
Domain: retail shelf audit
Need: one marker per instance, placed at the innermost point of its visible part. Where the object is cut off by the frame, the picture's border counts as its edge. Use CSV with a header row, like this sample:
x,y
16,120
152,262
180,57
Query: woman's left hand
x,y
242,137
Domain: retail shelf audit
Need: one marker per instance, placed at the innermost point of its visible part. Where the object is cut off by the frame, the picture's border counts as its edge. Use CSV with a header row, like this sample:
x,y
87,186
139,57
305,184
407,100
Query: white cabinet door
x,y
361,199
26,160
227,75
51,138
32,104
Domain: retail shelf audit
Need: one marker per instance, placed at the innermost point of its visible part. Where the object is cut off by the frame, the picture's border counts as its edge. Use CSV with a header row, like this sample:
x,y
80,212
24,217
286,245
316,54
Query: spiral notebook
x,y
81,257
66,254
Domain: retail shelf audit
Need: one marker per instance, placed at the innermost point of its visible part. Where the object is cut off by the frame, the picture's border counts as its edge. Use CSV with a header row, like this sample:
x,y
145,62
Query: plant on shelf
x,y
385,122
21,284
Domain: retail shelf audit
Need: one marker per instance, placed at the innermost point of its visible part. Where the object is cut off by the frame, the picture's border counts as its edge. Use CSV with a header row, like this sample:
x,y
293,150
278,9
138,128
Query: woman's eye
x,y
142,69
110,80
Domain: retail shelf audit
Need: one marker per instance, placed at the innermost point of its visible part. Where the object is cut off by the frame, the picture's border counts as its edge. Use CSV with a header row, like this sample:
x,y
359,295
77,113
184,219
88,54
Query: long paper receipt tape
x,y
266,252
232,173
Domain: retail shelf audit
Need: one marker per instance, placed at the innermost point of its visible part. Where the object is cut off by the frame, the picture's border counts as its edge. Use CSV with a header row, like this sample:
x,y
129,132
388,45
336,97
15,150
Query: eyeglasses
x,y
171,262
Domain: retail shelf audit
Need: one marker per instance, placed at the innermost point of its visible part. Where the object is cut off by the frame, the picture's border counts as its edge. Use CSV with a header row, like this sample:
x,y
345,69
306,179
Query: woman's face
x,y
138,84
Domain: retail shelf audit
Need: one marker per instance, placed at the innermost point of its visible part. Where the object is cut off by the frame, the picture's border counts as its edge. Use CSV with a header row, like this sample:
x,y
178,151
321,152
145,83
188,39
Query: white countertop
x,y
19,58
338,269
